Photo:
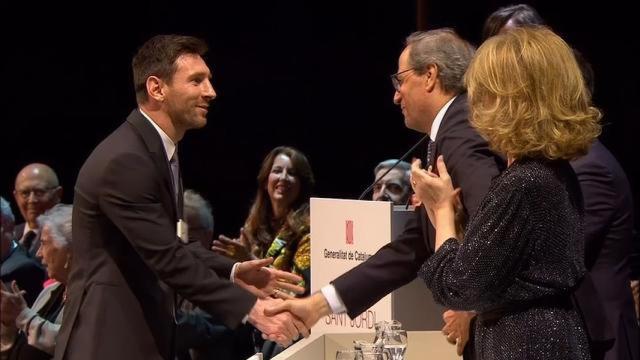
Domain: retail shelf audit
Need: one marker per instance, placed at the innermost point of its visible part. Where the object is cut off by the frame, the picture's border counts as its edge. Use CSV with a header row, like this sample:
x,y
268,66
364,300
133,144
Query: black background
x,y
311,74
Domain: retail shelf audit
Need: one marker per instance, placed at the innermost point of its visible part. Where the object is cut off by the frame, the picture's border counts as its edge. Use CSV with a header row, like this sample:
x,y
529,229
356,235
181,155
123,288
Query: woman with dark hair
x,y
278,222
509,17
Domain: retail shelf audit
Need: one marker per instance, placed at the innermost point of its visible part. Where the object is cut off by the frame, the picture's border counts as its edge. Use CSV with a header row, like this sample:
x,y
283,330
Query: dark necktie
x,y
177,184
431,153
27,240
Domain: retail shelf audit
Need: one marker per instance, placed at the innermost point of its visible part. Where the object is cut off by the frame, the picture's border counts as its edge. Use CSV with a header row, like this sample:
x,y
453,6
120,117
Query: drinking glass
x,y
395,344
381,327
372,351
345,354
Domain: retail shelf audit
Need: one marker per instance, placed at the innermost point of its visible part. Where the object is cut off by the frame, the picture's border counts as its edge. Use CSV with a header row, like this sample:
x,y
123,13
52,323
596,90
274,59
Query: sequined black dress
x,y
522,253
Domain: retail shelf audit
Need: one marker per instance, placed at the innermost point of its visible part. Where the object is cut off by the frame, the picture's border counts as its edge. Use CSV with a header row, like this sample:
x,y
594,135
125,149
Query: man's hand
x,y
282,328
264,282
456,328
11,304
309,309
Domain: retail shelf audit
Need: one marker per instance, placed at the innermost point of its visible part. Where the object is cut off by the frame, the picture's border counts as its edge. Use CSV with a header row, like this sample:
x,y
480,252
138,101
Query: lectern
x,y
344,233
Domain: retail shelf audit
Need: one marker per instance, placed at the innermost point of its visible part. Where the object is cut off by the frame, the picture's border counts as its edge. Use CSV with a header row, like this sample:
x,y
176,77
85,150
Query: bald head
x,y
36,190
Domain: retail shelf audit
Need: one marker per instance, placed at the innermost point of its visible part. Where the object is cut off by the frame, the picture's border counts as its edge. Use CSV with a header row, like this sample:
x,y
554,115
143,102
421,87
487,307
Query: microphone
x,y
404,157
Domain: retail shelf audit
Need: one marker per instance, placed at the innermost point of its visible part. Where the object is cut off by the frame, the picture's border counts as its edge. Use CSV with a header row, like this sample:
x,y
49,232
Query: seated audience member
x,y
30,332
199,217
198,335
395,186
278,222
36,190
15,264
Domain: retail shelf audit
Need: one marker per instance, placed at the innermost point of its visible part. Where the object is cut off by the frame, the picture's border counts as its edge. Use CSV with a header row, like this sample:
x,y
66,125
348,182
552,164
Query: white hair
x,y
58,220
199,205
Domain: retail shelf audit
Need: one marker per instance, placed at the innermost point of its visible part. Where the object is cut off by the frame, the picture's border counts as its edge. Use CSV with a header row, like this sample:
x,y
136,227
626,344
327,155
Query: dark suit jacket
x,y
18,232
472,167
25,270
608,225
127,256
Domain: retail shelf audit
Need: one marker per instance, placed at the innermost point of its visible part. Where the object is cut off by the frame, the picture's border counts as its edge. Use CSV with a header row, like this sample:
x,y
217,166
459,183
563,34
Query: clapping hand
x,y
439,197
434,190
11,303
264,282
238,249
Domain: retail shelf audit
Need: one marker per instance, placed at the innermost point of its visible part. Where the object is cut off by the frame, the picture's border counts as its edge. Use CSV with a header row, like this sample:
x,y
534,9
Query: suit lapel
x,y
153,143
458,104
18,231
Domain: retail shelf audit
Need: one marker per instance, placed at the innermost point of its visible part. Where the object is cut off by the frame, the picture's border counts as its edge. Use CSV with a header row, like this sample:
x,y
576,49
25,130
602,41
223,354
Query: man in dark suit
x,y
430,91
396,185
36,190
131,250
608,243
15,264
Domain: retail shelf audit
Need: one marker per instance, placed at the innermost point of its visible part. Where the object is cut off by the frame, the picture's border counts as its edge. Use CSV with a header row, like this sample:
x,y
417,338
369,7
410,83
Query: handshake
x,y
277,314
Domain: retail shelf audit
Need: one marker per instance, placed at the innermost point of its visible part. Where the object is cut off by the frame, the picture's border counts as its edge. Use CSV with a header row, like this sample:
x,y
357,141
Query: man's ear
x,y
155,88
58,193
431,77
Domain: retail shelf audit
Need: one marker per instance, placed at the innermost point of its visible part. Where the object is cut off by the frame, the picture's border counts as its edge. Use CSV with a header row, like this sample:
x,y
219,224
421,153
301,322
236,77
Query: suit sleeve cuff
x,y
232,277
333,298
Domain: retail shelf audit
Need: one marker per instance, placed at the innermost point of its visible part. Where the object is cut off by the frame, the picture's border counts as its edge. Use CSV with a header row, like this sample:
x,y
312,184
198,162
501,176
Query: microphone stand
x,y
406,155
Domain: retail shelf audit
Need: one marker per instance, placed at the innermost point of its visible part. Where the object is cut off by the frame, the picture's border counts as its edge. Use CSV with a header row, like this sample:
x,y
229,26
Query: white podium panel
x,y
344,233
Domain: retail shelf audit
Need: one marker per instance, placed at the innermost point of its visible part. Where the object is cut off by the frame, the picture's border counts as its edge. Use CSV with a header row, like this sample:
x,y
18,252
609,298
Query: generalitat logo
x,y
349,232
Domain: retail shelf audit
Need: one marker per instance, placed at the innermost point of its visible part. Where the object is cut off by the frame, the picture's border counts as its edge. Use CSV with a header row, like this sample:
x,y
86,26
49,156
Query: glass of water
x,y
347,354
395,344
372,351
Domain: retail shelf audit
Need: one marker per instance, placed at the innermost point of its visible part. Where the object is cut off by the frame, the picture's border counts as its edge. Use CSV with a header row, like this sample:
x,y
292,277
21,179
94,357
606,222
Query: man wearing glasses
x,y
429,89
37,189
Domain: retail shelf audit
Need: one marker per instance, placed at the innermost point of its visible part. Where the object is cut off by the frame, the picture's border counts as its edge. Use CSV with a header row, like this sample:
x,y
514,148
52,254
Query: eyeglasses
x,y
37,193
395,79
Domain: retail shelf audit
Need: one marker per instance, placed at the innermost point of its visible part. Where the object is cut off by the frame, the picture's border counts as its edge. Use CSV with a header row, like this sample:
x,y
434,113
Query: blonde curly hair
x,y
528,97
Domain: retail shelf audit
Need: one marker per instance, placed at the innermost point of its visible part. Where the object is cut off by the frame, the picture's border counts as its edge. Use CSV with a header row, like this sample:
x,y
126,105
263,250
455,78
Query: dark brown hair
x,y
157,57
260,226
521,15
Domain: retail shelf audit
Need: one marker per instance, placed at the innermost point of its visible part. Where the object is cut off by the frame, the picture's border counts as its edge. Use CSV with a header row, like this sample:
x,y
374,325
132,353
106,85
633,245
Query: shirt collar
x,y
438,120
27,229
168,144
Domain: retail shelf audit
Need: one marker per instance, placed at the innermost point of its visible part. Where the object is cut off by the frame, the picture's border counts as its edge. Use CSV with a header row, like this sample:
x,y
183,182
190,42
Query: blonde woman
x,y
523,250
